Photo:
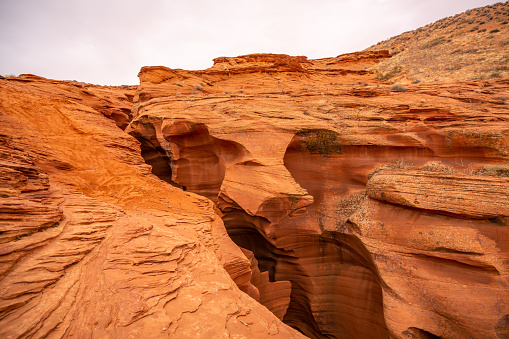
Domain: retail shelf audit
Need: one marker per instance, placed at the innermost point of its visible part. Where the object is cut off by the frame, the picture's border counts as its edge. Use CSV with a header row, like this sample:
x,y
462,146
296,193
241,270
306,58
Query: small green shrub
x,y
398,88
494,170
435,166
322,141
390,74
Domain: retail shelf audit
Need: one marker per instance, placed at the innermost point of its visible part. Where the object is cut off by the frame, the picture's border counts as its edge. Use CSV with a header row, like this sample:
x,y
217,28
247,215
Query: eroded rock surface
x,y
443,257
284,146
266,196
93,245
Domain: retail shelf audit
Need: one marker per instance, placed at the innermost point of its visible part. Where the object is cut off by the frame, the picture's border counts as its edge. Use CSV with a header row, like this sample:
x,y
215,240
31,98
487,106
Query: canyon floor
x,y
269,196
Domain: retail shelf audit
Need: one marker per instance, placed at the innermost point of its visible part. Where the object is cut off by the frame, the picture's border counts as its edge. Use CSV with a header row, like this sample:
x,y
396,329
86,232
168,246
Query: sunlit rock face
x,y
363,209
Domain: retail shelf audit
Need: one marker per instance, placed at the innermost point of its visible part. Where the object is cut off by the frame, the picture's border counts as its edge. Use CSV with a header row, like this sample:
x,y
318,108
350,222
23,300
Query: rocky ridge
x,y
266,196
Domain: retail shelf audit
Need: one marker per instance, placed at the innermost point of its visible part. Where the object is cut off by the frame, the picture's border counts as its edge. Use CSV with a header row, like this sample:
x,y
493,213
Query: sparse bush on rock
x,y
324,142
398,88
494,170
386,76
436,166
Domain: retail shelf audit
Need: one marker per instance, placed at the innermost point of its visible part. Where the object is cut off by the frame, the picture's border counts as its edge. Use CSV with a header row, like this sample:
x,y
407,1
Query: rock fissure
x,y
302,209
347,206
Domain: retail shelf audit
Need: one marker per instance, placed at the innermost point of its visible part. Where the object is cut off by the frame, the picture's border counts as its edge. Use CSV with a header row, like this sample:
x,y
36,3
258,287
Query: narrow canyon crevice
x,y
199,160
329,288
281,265
158,158
308,263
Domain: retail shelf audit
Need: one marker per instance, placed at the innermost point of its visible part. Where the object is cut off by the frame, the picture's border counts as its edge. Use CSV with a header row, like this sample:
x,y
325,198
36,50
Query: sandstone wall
x,y
266,183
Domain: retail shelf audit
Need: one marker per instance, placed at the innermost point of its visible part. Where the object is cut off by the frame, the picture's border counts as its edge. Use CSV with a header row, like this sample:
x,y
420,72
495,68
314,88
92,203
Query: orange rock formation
x,y
284,148
94,245
267,196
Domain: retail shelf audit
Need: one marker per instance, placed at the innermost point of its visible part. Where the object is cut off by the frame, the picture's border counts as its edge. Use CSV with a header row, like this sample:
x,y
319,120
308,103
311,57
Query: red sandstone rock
x,y
91,245
254,182
285,152
468,196
440,275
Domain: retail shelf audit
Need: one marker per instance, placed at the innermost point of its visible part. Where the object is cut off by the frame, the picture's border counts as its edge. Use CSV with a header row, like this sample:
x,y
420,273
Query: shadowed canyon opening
x,y
328,286
308,264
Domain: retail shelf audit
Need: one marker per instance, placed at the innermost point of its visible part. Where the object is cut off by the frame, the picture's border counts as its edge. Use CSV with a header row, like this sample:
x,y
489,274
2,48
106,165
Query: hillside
x,y
468,46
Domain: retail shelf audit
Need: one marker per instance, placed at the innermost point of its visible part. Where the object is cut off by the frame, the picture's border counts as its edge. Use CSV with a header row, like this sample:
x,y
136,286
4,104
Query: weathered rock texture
x,y
92,245
284,147
266,196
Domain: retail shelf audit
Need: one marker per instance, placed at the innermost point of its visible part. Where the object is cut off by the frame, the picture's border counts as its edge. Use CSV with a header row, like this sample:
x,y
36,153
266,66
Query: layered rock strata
x,y
262,189
284,146
92,244
440,245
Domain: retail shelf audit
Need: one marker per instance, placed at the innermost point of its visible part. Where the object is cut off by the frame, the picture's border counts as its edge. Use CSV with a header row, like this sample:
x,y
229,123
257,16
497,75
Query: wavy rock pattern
x,y
247,200
287,144
92,245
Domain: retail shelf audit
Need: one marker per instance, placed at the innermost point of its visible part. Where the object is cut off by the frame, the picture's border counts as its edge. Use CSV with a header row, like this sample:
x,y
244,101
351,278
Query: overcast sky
x,y
107,41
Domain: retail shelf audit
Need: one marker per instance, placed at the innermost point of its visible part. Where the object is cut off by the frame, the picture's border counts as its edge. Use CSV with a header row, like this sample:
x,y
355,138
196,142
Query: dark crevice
x,y
454,251
156,156
477,272
281,264
202,158
417,333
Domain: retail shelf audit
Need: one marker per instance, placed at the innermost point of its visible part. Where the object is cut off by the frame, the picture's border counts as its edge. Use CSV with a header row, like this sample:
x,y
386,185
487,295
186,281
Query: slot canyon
x,y
284,197
344,214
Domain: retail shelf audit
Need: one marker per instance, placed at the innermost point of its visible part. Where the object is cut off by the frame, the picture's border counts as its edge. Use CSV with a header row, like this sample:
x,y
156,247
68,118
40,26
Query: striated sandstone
x,y
285,152
266,196
92,245
456,194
